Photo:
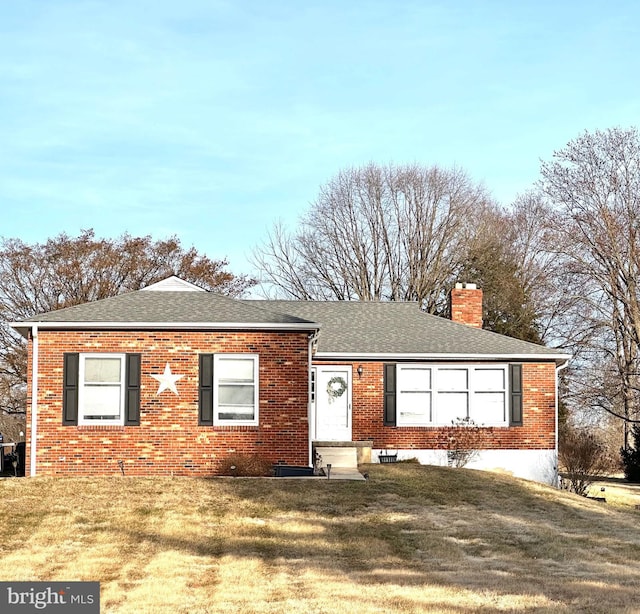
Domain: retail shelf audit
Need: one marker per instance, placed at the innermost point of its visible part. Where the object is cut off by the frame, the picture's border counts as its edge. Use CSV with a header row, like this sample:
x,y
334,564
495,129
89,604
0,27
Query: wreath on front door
x,y
336,387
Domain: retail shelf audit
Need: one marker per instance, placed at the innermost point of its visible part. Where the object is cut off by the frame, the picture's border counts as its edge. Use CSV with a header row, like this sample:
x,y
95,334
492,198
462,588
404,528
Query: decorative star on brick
x,y
167,380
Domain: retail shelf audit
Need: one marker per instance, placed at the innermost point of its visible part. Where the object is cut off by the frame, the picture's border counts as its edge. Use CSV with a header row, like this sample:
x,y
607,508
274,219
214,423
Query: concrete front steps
x,y
346,458
343,457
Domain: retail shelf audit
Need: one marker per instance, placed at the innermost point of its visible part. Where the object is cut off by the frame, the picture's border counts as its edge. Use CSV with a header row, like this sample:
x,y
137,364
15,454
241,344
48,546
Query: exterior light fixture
x,y
360,370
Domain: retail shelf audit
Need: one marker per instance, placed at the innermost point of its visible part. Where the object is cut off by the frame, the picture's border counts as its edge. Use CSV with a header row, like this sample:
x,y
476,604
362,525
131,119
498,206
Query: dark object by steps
x,y
291,471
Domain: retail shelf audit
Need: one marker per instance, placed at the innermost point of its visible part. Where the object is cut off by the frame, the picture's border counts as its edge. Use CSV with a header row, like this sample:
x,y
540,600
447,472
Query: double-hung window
x,y
101,389
235,389
489,395
439,395
452,394
414,395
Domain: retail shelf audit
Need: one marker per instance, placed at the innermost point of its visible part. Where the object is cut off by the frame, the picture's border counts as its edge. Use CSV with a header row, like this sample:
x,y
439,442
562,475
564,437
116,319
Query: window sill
x,y
453,426
100,427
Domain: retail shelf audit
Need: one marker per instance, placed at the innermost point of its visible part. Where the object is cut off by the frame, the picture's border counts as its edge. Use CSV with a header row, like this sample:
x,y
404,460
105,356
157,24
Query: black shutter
x,y
515,389
132,390
390,394
70,388
205,390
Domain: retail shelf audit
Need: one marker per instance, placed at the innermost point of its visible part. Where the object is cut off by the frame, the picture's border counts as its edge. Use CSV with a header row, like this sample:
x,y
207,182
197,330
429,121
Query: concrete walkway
x,y
339,473
343,473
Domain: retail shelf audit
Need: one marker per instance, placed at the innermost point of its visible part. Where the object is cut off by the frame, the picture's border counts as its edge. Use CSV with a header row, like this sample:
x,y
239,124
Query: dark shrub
x,y
245,465
631,457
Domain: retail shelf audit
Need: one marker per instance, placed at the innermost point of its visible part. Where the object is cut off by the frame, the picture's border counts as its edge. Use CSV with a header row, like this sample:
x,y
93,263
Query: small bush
x,y
631,457
583,458
464,439
246,465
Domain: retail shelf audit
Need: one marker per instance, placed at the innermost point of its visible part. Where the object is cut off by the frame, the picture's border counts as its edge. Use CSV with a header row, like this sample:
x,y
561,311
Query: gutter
x,y
560,359
23,327
313,338
34,400
559,368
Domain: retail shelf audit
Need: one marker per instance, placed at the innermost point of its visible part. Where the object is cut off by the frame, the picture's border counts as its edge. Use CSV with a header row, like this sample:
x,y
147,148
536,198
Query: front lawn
x,y
411,539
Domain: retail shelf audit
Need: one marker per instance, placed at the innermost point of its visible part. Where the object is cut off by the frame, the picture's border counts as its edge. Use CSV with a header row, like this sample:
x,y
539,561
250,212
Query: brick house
x,y
171,379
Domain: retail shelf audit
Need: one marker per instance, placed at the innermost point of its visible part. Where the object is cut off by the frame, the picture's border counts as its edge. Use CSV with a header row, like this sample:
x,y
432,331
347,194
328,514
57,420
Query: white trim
x,y
310,402
558,369
255,421
442,356
402,388
173,284
24,326
349,371
436,392
82,421
34,400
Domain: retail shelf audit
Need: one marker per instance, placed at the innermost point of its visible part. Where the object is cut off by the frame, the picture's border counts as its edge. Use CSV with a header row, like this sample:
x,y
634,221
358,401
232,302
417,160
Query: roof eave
x,y
24,327
560,358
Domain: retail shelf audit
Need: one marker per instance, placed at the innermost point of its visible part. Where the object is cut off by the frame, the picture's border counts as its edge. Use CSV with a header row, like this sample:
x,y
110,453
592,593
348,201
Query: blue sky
x,y
212,119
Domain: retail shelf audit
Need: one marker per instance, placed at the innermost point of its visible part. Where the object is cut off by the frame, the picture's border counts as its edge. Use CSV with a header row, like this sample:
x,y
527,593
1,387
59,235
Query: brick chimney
x,y
465,303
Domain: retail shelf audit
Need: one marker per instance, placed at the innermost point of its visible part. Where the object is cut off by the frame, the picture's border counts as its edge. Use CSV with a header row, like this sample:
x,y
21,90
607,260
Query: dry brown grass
x,y
411,539
617,491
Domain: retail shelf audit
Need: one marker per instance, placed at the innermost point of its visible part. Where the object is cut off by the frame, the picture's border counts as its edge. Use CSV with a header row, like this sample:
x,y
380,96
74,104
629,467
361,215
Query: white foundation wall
x,y
536,465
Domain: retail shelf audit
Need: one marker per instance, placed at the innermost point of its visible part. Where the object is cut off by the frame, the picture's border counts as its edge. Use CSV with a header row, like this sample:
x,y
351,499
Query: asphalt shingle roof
x,y
178,306
347,328
354,327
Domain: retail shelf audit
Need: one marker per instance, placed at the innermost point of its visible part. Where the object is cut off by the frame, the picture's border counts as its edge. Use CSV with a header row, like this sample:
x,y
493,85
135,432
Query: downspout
x,y
313,338
34,399
558,369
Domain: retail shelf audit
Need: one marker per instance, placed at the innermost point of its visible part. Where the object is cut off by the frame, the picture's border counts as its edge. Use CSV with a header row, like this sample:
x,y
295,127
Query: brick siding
x,y
536,433
169,440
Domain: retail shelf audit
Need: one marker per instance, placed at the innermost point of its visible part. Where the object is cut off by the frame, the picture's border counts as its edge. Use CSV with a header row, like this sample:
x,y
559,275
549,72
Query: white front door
x,y
332,392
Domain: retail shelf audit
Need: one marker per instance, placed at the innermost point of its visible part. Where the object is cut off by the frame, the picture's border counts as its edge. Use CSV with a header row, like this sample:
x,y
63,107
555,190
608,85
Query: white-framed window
x,y
414,395
489,395
452,394
235,386
439,395
101,388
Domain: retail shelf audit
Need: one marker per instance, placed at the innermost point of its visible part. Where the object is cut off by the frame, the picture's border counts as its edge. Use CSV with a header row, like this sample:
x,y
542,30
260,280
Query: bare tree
x,y
376,233
408,233
66,271
594,185
533,239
